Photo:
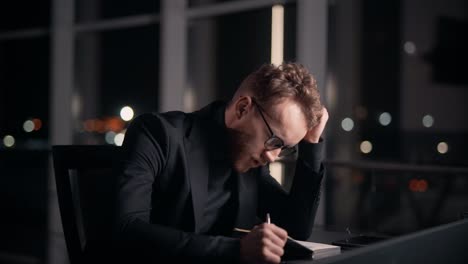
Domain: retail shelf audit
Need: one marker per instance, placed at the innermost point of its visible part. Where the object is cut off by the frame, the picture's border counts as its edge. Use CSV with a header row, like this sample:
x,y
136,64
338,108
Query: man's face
x,y
286,121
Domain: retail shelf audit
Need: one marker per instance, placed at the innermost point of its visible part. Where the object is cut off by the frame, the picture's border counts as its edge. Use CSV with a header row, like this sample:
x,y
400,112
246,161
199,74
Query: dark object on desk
x,y
358,241
86,191
463,215
441,244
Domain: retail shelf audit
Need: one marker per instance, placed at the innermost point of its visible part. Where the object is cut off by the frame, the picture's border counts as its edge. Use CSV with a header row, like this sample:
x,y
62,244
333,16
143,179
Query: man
x,y
189,179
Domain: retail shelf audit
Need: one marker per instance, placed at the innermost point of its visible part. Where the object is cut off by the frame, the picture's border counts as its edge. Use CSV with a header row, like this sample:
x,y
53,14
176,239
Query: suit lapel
x,y
198,172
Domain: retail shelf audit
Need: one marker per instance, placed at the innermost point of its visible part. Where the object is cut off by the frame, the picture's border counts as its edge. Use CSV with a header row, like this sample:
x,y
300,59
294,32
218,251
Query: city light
x,y
442,147
409,47
103,125
9,141
428,121
385,119
100,126
114,124
347,124
366,147
118,139
28,126
126,113
88,125
416,185
110,137
37,123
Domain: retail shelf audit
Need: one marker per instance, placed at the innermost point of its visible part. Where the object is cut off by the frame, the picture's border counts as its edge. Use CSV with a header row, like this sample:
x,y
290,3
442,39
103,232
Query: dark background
x,y
125,71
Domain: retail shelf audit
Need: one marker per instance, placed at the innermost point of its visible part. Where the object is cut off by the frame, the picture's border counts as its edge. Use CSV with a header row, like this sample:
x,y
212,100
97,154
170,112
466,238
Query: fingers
x,y
314,134
324,115
275,249
277,231
273,240
322,121
270,257
264,244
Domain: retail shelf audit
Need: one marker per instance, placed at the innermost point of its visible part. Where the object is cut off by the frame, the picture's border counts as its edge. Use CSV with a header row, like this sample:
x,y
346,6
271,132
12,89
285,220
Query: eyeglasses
x,y
274,142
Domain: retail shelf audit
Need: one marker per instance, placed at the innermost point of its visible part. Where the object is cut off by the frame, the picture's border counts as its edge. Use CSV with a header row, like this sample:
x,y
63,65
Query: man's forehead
x,y
287,119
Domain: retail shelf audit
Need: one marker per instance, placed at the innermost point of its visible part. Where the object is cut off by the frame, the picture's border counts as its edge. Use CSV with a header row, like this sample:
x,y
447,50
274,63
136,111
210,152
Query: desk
x,y
323,235
441,244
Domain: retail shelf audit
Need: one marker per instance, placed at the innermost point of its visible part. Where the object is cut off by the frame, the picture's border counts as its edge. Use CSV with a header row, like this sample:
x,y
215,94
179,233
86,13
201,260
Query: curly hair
x,y
272,84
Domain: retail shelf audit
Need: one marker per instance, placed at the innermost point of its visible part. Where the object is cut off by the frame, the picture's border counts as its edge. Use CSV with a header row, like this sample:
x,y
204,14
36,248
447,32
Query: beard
x,y
240,150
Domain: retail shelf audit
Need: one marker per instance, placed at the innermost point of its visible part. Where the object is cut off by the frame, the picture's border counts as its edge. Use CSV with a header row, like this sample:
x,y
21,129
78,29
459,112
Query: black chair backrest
x,y
86,184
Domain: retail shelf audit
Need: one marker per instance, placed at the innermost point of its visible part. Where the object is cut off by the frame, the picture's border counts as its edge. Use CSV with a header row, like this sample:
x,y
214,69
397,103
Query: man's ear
x,y
243,106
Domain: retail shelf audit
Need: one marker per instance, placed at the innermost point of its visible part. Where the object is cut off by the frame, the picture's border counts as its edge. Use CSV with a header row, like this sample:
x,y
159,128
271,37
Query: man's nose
x,y
272,155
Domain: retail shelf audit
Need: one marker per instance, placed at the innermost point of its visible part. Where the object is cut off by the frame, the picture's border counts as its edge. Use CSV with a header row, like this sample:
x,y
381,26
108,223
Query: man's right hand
x,y
264,244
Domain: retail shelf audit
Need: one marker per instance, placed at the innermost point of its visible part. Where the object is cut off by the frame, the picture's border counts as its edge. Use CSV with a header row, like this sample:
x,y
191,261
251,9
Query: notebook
x,y
297,249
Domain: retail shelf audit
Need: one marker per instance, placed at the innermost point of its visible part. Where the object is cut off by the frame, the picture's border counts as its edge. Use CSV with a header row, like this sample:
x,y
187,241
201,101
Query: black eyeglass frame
x,y
274,142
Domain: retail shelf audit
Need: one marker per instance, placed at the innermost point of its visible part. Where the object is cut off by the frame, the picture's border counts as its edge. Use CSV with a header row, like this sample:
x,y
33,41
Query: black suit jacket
x,y
165,173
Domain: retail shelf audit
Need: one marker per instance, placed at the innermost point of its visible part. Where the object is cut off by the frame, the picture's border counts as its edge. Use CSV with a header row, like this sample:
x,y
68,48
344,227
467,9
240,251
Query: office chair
x,y
86,182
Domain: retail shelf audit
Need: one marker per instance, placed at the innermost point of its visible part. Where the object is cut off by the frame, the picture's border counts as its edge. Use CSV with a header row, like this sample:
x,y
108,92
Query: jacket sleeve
x,y
294,211
146,147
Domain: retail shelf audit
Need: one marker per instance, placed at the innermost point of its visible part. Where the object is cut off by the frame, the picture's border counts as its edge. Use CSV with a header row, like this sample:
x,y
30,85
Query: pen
x,y
248,231
268,218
